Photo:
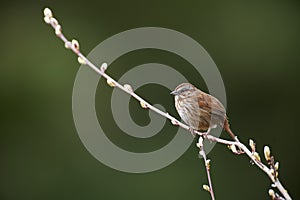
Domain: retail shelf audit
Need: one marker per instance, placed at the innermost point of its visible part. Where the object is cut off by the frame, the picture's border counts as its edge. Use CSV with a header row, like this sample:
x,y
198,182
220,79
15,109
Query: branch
x,y
207,167
271,171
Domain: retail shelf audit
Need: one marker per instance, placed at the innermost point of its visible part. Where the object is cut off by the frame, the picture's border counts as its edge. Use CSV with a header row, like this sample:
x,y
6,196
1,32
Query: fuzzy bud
x,y
174,122
110,82
103,67
207,163
252,145
276,166
276,174
206,187
68,44
267,153
128,88
200,141
47,20
272,193
256,156
75,44
143,104
81,61
58,30
232,147
48,12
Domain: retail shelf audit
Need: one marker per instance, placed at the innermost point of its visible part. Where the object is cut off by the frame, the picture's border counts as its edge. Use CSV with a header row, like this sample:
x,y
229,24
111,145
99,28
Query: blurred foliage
x,y
254,43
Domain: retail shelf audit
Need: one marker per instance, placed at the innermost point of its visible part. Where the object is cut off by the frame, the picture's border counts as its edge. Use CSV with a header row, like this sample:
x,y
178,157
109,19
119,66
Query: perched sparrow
x,y
199,110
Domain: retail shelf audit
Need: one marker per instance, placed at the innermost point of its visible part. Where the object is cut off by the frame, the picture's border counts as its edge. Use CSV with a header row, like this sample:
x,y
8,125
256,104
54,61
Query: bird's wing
x,y
212,105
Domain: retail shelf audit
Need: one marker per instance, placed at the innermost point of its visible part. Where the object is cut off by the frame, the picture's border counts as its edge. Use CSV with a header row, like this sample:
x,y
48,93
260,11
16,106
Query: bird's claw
x,y
239,151
192,131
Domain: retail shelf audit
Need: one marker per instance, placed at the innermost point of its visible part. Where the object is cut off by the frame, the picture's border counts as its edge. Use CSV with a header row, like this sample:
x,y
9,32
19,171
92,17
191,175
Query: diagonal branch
x,y
271,170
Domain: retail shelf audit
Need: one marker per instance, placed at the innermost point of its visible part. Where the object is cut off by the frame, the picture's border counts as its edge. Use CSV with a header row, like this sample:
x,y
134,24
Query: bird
x,y
201,111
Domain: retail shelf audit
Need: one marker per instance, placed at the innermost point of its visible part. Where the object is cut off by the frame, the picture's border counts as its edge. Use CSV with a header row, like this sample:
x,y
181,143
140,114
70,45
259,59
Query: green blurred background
x,y
255,45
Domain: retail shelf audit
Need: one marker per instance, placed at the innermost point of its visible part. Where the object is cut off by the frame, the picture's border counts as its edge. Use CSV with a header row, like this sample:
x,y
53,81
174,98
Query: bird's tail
x,y
228,130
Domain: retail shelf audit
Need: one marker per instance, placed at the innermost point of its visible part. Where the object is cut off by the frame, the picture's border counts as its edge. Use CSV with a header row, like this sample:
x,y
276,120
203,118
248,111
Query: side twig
x,y
271,171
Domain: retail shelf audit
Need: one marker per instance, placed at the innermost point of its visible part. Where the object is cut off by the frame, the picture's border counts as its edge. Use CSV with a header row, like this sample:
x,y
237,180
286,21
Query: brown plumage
x,y
199,110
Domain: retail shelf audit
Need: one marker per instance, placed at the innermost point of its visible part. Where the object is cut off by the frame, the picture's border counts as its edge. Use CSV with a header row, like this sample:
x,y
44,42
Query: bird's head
x,y
184,89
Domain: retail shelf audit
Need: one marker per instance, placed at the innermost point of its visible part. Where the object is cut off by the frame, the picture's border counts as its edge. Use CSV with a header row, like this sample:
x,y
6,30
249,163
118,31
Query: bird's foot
x,y
192,131
239,150
204,134
236,150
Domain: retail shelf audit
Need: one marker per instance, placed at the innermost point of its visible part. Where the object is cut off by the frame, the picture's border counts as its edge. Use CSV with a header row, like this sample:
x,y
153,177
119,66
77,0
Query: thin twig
x,y
254,156
207,167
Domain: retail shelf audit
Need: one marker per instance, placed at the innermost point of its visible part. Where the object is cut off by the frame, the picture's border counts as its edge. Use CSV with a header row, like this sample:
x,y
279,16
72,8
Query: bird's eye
x,y
183,90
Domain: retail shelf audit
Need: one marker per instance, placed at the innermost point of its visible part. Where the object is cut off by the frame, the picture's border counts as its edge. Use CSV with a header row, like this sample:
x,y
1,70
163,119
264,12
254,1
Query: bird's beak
x,y
174,93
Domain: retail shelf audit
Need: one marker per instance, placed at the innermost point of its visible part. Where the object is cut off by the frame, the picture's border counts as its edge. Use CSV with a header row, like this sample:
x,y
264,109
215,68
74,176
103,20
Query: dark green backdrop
x,y
255,45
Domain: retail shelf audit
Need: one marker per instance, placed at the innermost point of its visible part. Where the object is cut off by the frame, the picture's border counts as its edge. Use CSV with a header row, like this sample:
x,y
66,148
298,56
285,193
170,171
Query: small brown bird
x,y
199,110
